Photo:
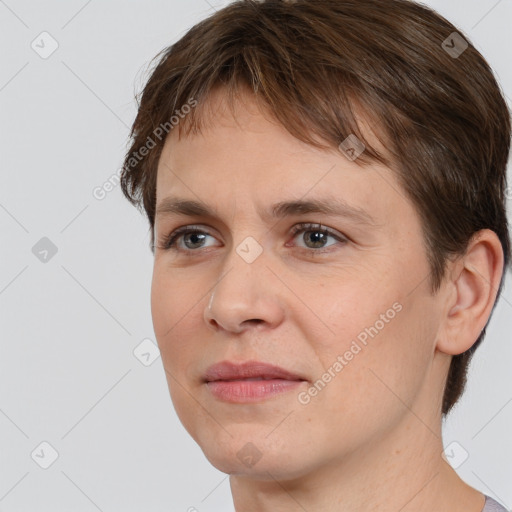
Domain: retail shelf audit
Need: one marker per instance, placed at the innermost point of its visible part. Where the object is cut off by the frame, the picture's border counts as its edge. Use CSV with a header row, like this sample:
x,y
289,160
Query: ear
x,y
472,289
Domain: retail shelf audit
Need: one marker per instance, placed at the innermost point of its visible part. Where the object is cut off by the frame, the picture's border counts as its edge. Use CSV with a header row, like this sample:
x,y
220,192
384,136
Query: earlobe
x,y
475,282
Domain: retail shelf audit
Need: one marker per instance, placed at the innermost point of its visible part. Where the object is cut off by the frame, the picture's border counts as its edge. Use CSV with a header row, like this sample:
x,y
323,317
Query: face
x,y
338,299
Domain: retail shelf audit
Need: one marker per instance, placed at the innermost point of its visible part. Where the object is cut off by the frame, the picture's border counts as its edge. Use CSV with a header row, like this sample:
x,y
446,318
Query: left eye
x,y
314,237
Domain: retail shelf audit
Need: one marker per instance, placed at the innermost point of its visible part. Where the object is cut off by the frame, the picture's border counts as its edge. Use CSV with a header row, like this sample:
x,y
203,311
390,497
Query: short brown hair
x,y
314,63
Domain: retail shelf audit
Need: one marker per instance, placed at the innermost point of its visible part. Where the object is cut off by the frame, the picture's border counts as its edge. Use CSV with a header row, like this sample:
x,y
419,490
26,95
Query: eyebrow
x,y
334,207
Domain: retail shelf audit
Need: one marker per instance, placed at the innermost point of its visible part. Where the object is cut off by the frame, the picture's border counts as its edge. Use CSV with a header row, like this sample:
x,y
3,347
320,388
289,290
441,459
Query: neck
x,y
402,471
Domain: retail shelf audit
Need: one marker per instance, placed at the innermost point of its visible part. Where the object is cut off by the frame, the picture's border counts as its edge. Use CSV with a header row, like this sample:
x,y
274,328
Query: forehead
x,y
247,156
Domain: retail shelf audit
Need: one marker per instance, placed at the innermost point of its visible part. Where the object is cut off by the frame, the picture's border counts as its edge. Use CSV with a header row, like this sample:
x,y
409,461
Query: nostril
x,y
254,321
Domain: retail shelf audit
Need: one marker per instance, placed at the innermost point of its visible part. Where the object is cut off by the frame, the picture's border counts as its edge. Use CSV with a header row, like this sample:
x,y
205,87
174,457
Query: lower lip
x,y
241,391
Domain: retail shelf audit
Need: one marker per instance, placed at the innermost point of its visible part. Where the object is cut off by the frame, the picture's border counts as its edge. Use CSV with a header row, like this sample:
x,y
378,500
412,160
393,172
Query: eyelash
x,y
169,242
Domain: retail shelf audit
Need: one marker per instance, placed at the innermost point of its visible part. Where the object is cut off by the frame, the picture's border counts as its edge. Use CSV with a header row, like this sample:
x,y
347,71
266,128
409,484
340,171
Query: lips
x,y
249,382
250,370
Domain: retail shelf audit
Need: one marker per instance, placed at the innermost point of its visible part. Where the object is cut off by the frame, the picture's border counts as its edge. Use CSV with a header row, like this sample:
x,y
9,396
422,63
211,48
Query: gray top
x,y
492,505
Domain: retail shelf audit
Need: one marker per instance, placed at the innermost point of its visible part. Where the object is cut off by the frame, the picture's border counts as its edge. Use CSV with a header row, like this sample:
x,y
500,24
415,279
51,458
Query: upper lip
x,y
227,370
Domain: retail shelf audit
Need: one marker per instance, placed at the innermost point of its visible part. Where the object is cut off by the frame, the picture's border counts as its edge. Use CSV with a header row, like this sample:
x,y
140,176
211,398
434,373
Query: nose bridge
x,y
242,292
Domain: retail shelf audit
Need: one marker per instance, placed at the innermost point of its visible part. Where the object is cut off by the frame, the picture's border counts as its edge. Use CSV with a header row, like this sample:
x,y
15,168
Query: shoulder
x,y
493,506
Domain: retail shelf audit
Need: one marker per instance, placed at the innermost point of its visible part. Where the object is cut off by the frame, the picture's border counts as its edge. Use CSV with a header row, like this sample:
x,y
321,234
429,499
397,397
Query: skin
x,y
370,440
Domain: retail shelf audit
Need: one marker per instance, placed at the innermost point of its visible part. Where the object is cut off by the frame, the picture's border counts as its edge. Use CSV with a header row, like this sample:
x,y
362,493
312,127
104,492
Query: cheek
x,y
175,303
386,349
164,306
174,296
353,309
380,340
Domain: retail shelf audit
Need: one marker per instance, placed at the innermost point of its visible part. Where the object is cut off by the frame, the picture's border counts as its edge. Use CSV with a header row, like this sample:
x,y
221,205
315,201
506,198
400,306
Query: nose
x,y
245,296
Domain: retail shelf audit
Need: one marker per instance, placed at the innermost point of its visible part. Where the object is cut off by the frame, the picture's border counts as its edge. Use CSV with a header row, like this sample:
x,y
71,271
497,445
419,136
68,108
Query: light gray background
x,y
70,325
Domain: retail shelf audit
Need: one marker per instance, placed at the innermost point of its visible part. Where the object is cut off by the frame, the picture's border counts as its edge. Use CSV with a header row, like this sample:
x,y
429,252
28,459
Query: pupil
x,y
194,235
317,238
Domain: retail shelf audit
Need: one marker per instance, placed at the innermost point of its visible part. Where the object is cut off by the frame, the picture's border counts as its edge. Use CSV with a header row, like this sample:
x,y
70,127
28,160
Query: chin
x,y
270,467
254,455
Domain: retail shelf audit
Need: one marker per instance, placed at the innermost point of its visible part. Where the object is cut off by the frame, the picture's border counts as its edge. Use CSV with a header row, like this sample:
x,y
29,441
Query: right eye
x,y
184,239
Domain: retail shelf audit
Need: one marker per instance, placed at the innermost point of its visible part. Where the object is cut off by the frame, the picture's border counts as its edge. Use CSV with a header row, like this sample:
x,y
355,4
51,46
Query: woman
x,y
324,182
